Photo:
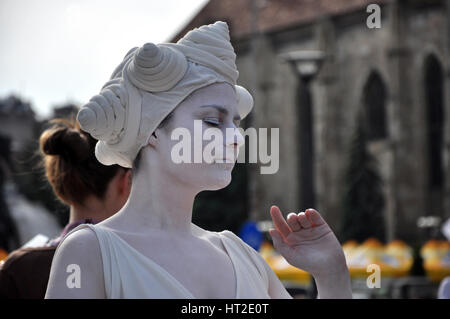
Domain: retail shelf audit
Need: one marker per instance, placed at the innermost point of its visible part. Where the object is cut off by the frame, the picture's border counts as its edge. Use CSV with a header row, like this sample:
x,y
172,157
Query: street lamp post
x,y
306,65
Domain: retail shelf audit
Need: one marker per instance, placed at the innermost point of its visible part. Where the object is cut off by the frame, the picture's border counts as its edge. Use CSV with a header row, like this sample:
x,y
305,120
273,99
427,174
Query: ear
x,y
153,139
128,178
125,181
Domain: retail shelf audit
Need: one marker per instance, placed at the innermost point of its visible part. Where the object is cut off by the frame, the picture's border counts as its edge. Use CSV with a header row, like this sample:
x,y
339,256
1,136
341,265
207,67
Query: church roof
x,y
273,14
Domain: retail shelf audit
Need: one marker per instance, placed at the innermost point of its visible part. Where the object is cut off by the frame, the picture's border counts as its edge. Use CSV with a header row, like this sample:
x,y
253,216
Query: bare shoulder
x,y
77,268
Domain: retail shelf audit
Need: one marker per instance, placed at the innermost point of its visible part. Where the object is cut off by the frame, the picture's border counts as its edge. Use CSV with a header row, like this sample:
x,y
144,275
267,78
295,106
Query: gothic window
x,y
374,100
434,98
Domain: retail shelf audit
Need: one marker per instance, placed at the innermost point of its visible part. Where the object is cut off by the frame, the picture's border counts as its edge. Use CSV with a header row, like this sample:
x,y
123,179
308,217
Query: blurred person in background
x,y
444,286
8,230
93,191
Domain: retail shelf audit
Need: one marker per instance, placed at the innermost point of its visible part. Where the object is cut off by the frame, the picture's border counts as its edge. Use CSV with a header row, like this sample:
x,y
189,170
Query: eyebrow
x,y
222,110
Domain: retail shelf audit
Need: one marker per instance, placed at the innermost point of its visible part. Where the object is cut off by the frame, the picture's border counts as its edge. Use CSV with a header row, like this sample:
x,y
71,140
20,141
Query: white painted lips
x,y
225,160
230,161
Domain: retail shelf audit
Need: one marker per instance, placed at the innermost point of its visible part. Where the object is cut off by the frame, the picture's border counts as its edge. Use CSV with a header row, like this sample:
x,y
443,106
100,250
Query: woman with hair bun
x,y
151,248
93,191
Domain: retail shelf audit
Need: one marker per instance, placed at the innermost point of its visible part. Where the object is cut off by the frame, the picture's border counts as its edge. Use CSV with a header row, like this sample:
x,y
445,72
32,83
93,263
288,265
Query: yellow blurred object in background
x,y
282,268
349,249
395,259
436,259
369,252
267,250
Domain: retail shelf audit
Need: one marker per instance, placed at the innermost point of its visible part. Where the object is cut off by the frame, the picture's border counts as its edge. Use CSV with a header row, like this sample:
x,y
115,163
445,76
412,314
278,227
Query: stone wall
x,y
397,53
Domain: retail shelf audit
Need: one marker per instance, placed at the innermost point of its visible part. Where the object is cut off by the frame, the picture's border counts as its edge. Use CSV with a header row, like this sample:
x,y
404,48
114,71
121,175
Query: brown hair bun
x,y
70,163
65,141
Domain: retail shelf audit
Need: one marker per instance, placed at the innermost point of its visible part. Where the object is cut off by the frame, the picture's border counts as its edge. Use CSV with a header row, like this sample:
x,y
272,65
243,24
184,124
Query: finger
x,y
279,222
314,217
304,221
293,223
278,241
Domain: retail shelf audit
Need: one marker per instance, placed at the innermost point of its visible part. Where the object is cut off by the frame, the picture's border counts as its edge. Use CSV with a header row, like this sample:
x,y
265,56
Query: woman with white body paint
x,y
151,248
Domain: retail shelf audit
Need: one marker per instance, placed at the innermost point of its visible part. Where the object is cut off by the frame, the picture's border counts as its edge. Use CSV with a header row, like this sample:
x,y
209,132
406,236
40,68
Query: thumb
x,y
278,241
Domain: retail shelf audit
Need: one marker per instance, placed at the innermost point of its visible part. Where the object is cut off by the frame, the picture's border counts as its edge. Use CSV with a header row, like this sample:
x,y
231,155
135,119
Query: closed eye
x,y
212,122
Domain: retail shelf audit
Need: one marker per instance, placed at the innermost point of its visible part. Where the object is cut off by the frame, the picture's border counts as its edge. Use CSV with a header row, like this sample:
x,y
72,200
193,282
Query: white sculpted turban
x,y
150,82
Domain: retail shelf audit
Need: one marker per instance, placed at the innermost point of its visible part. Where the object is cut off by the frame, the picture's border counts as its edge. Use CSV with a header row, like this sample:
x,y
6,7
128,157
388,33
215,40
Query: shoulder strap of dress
x,y
257,259
81,226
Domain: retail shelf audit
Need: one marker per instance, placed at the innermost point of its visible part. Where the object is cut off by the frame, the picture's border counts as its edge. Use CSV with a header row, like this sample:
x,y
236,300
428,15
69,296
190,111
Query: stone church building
x,y
313,66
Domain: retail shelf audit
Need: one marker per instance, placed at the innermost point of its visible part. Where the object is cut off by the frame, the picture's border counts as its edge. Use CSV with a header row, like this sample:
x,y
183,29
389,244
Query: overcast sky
x,y
57,51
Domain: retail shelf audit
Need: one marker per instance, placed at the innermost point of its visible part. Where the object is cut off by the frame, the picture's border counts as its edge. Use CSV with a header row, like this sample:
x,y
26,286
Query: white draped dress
x,y
130,274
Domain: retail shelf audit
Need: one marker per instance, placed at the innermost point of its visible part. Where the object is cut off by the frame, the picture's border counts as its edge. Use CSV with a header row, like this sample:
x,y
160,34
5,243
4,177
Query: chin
x,y
218,178
204,177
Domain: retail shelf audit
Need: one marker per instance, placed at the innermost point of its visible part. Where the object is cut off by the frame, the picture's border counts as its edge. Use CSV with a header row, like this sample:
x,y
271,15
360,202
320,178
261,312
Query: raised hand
x,y
307,242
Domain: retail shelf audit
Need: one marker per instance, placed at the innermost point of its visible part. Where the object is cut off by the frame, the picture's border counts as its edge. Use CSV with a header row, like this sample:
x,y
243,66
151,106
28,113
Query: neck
x,y
159,203
91,208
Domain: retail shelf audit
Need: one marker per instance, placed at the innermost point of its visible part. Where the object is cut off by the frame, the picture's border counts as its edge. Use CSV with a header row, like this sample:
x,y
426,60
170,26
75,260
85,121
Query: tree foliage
x,y
363,199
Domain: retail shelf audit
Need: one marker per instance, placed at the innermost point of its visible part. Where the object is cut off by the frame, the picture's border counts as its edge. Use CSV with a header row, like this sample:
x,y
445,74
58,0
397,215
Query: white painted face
x,y
215,108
